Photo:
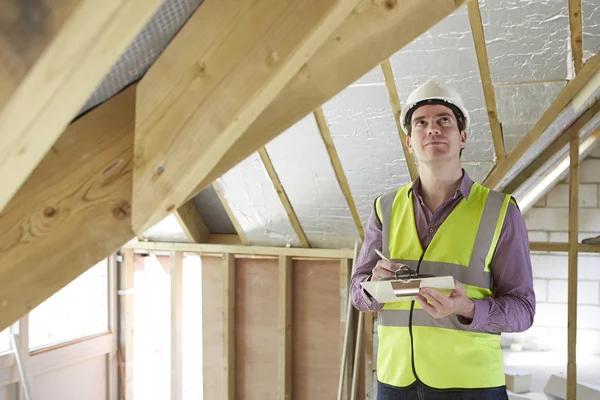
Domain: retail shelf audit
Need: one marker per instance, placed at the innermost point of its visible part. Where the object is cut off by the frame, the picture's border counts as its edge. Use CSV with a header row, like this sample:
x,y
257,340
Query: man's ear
x,y
463,139
409,144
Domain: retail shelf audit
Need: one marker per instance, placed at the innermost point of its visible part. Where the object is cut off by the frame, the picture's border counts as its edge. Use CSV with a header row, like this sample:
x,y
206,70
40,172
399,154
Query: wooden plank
x,y
208,92
346,320
127,309
51,60
368,355
316,324
232,218
285,201
359,45
224,238
192,223
575,24
486,79
340,175
572,277
558,105
390,84
563,247
212,333
240,250
228,269
558,144
77,200
176,259
285,361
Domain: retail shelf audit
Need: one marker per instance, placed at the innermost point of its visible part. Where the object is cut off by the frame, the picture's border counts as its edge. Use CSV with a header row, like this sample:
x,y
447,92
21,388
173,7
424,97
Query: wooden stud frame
x,y
572,277
176,274
284,368
228,327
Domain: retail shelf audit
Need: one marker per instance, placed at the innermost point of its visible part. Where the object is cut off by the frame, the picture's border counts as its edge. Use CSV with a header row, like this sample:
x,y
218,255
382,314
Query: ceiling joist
x,y
367,37
390,83
50,67
340,175
78,201
558,105
486,79
559,143
575,24
285,201
192,223
200,96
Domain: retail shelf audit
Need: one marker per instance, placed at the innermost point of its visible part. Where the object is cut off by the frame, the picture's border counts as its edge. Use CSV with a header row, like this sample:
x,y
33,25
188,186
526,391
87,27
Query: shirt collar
x,y
464,187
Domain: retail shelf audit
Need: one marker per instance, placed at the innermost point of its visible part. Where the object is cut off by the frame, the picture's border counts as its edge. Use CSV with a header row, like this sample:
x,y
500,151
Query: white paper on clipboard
x,y
405,290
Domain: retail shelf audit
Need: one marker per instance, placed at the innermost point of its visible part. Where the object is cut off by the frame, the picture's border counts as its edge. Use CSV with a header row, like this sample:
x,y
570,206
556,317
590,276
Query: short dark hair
x,y
460,118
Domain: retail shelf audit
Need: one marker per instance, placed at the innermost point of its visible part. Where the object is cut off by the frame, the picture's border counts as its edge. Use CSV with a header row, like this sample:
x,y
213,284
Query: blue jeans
x,y
418,391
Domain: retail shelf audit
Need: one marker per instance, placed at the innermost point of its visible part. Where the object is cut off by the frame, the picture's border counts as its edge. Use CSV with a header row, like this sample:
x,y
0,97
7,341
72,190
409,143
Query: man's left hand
x,y
439,306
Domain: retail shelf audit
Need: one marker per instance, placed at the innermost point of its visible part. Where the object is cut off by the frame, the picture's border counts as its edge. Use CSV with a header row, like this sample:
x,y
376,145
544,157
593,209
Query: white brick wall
x,y
548,221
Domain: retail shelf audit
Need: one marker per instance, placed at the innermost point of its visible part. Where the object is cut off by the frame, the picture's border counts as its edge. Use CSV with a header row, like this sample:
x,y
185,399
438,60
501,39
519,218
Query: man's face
x,y
434,134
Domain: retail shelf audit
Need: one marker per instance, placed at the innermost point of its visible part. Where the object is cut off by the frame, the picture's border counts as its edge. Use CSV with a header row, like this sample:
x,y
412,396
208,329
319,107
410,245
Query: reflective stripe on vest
x,y
460,358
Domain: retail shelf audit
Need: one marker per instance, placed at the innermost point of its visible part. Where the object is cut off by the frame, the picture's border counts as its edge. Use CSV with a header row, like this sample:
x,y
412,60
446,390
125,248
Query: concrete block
x,y
563,237
550,266
589,340
540,287
547,219
589,266
588,317
594,153
538,236
517,382
589,171
589,219
588,292
551,315
559,196
556,388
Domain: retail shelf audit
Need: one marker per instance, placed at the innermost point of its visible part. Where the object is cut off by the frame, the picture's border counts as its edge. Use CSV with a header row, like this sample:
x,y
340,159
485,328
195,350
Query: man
x,y
445,347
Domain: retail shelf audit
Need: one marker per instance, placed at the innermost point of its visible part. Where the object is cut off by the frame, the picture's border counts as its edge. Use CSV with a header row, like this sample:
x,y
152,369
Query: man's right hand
x,y
384,269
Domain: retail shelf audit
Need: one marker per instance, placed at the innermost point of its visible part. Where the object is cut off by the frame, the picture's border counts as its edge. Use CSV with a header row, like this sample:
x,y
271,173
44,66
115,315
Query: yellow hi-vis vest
x,y
441,353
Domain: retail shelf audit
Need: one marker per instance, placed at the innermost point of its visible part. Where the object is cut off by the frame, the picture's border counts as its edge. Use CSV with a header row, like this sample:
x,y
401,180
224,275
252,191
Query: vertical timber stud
x,y
573,238
228,326
126,292
284,370
347,339
176,272
368,354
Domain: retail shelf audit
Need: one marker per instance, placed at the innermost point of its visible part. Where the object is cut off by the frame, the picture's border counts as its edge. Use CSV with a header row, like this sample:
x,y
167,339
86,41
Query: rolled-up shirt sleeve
x,y
366,261
512,307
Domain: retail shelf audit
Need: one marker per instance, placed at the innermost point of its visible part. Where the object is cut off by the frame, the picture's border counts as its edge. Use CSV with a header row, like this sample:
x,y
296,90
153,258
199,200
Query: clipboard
x,y
400,290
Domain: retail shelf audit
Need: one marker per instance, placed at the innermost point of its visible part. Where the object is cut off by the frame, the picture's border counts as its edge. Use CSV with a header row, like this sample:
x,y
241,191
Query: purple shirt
x,y
513,306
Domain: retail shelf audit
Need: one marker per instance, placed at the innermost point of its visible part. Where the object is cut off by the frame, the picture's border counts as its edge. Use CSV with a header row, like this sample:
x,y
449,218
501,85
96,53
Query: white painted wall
x,y
548,221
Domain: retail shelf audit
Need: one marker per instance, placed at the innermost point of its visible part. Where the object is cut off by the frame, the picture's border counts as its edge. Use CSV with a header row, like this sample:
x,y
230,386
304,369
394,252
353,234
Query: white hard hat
x,y
433,91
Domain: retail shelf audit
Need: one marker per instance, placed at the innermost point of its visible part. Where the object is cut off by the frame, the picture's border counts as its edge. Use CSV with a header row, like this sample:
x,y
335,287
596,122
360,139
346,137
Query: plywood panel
x,y
85,380
212,335
256,328
316,329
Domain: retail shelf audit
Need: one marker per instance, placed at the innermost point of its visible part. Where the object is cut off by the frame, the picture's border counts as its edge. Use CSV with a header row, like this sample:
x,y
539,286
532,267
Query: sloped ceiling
x,y
528,49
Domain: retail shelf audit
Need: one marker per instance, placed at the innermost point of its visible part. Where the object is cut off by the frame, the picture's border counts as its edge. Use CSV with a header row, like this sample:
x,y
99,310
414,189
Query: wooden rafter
x,y
572,275
340,175
558,105
200,96
390,83
350,53
559,143
54,54
486,79
575,23
285,201
232,218
77,200
192,223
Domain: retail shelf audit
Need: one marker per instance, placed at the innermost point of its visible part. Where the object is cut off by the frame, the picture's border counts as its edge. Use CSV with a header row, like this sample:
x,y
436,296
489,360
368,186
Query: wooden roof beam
x,y
390,83
340,175
54,54
192,223
486,79
562,101
372,33
575,24
200,96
